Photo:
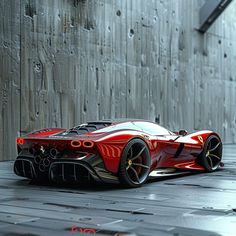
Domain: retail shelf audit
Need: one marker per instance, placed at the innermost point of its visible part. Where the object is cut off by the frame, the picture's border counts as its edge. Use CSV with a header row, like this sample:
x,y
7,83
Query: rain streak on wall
x,y
63,62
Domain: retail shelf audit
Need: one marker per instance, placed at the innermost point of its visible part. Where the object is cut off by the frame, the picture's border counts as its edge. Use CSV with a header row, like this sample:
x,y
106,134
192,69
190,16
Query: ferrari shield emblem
x,y
200,138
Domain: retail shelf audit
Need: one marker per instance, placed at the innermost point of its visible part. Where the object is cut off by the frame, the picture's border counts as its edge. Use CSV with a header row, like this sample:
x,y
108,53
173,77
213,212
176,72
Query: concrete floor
x,y
202,204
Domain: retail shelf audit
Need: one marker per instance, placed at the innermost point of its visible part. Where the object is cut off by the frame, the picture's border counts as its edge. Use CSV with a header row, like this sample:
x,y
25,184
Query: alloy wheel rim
x,y
137,164
213,153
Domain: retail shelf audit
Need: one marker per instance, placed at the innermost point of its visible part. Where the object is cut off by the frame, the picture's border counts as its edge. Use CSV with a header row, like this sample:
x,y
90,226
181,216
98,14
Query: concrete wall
x,y
63,62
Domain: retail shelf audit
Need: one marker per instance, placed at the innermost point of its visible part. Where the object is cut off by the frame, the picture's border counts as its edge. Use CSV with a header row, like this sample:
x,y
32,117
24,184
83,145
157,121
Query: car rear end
x,y
60,159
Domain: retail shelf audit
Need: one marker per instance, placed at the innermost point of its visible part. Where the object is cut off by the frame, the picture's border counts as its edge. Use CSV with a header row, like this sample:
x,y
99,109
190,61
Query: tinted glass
x,y
151,128
147,127
120,126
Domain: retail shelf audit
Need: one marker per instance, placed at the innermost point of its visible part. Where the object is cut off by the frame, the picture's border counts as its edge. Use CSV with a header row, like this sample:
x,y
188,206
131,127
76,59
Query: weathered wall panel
x,y
9,77
84,60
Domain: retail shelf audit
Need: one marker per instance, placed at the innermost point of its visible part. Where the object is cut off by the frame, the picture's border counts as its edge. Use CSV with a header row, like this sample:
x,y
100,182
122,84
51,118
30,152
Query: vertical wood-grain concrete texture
x,y
63,62
9,77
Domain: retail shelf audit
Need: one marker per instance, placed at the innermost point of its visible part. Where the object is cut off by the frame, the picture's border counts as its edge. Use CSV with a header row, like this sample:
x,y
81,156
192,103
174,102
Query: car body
x,y
126,152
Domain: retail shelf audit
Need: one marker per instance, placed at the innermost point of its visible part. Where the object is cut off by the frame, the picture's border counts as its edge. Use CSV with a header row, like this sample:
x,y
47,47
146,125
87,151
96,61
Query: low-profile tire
x,y
211,156
135,164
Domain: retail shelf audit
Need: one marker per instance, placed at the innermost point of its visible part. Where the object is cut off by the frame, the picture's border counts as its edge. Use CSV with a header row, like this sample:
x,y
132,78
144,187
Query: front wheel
x,y
135,163
211,155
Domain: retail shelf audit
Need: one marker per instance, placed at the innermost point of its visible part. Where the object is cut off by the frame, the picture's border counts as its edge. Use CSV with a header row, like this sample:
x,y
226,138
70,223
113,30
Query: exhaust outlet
x,y
54,152
37,159
46,162
42,168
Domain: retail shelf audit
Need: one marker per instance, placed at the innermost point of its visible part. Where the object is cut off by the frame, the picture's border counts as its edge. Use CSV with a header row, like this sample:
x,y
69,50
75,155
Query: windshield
x,y
119,126
152,128
145,126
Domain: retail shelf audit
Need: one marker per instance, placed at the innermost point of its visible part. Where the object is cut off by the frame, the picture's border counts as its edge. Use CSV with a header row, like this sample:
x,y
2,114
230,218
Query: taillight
x,y
75,143
88,144
20,141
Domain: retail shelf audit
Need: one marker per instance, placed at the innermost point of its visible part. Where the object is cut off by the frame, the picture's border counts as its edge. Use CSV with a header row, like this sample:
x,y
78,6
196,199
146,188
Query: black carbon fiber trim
x,y
71,170
25,168
70,167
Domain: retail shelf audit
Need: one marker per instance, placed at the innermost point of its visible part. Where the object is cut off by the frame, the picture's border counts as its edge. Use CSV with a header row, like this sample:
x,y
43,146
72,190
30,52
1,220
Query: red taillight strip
x,y
75,143
20,141
88,144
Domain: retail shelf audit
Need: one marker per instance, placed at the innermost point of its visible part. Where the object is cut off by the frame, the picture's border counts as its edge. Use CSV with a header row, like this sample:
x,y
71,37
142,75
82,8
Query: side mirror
x,y
183,132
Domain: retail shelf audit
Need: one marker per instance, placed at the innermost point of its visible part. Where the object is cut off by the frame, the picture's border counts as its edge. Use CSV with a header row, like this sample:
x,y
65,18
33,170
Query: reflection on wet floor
x,y
199,204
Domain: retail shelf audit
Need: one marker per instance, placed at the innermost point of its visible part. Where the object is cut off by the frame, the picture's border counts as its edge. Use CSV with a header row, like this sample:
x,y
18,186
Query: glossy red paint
x,y
45,132
111,153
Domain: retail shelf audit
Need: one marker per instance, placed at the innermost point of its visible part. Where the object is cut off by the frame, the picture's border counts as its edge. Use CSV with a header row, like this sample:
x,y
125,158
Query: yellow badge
x,y
200,138
145,136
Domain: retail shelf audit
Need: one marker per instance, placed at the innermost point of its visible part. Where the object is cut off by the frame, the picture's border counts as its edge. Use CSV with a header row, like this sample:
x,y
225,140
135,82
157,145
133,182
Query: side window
x,y
152,129
126,125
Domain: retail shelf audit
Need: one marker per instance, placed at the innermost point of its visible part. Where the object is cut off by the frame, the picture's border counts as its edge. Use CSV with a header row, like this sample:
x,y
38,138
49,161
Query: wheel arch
x,y
111,151
145,162
211,154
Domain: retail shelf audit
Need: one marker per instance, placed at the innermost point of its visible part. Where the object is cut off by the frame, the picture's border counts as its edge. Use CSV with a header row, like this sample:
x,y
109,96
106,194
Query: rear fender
x,y
112,145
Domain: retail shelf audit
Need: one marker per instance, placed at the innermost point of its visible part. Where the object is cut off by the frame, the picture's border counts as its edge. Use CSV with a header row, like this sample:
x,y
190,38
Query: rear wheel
x,y
211,155
135,163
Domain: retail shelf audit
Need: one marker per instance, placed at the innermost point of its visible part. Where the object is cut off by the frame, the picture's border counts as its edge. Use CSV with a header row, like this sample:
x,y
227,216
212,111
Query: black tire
x,y
211,156
135,164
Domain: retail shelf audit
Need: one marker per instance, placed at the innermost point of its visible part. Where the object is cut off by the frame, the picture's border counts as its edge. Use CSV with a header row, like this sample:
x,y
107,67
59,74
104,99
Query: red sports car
x,y
126,152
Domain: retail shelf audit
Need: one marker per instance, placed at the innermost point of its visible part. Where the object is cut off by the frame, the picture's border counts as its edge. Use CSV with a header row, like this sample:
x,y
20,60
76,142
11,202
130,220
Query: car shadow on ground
x,y
99,186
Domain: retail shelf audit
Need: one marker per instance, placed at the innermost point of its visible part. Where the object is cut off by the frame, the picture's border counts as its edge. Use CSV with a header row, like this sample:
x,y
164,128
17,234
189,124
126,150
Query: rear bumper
x,y
25,168
63,170
69,170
